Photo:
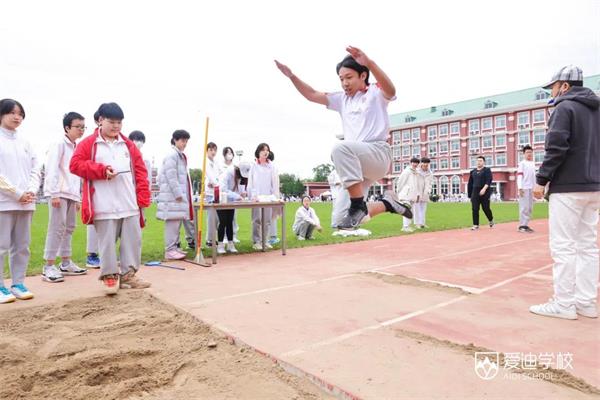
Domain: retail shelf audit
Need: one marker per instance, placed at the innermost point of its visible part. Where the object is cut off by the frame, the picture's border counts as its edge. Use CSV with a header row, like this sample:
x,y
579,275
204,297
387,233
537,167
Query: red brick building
x,y
453,135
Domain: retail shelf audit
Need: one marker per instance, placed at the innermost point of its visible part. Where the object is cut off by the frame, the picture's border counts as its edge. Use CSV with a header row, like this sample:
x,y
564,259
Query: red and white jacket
x,y
83,164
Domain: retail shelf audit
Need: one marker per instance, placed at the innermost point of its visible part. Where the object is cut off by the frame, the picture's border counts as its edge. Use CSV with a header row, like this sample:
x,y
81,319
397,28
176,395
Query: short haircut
x,y
111,111
271,156
227,149
211,145
351,63
97,116
482,157
425,160
415,159
179,134
306,197
7,105
526,147
69,117
259,148
137,136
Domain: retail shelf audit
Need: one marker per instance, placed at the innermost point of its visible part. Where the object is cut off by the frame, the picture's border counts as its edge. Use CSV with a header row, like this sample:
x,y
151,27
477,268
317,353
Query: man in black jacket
x,y
571,170
478,190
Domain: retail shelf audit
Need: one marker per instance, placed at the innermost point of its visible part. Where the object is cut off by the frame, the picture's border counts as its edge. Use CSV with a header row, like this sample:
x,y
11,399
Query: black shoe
x,y
354,217
528,229
522,229
191,245
400,207
492,223
208,243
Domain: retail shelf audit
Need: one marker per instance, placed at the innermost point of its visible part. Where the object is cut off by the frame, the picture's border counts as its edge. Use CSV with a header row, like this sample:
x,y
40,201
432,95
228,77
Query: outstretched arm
x,y
305,90
385,83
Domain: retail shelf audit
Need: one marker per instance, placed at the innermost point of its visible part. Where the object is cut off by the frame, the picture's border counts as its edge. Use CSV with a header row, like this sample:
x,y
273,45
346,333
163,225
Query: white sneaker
x,y
257,246
221,248
6,296
408,229
231,248
21,292
301,238
475,227
236,240
590,311
72,269
52,274
552,309
268,246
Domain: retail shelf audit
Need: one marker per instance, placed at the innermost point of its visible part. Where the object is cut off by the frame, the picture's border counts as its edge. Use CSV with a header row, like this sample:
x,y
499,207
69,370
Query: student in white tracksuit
x,y
409,187
339,198
306,221
525,184
211,179
228,156
420,207
64,192
19,182
175,197
364,156
263,180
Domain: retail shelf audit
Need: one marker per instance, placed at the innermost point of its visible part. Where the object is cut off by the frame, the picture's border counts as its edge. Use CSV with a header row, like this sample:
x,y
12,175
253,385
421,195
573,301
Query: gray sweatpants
x,y
172,231
15,237
92,240
188,227
256,229
525,207
61,224
361,162
129,232
304,229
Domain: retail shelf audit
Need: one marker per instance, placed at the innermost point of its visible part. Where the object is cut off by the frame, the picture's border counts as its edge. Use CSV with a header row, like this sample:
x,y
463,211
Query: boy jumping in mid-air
x,y
364,156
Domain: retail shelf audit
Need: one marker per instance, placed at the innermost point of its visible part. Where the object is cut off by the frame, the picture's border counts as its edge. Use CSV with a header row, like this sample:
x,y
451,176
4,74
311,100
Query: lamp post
x,y
239,153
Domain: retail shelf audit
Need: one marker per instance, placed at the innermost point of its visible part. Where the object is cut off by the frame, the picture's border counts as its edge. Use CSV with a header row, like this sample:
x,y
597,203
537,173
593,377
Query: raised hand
x,y
285,70
358,55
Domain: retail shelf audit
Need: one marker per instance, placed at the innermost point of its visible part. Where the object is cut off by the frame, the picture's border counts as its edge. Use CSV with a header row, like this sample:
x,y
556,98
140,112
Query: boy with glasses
x,y
64,191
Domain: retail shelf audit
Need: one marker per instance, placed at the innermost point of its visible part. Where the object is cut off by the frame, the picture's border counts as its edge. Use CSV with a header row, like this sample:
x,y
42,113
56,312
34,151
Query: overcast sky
x,y
170,64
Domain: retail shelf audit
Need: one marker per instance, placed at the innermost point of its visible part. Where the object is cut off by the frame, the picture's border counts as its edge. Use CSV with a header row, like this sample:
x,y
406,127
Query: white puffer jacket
x,y
59,182
174,182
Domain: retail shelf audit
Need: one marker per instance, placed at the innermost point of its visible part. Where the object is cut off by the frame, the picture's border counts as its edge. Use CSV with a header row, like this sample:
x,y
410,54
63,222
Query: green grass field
x,y
440,216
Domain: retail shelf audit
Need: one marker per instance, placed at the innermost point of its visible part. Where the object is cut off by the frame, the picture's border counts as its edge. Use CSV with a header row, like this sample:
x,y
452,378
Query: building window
x,y
405,151
433,165
538,156
416,135
432,149
443,129
486,124
443,185
500,140
487,142
404,165
396,137
474,144
455,128
520,157
501,159
446,112
523,120
397,153
500,122
541,95
443,147
406,135
474,127
472,161
455,164
416,150
409,118
455,185
539,136
434,187
524,138
455,145
444,163
538,116
397,167
432,133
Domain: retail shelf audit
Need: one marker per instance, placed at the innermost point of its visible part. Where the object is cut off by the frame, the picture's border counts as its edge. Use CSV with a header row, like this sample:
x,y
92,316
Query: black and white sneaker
x,y
528,229
354,217
400,207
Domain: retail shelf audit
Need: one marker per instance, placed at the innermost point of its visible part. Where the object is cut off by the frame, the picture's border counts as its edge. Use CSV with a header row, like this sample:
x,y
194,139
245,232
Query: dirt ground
x,y
130,346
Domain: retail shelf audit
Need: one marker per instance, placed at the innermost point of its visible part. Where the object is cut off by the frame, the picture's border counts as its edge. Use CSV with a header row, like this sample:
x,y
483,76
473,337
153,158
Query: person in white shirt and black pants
x,y
478,190
525,184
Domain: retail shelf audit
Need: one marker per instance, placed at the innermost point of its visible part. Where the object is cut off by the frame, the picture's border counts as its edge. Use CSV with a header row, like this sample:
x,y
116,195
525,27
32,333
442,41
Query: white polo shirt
x,y
115,198
364,115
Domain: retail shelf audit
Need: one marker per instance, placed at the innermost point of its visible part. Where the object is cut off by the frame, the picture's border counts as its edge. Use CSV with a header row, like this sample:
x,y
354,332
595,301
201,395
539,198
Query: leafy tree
x,y
291,185
322,172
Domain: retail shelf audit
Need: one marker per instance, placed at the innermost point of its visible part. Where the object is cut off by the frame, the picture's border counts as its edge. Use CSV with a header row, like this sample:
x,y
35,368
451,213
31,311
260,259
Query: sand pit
x,y
130,346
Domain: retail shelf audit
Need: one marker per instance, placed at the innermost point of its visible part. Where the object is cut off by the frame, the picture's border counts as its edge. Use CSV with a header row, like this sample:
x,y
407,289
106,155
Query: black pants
x,y
225,225
484,201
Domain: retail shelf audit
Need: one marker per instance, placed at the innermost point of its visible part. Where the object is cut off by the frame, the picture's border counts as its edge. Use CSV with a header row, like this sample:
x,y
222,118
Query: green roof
x,y
462,108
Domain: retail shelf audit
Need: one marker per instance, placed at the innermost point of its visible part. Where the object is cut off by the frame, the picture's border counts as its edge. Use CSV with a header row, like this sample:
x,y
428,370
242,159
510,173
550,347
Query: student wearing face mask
x,y
139,139
228,155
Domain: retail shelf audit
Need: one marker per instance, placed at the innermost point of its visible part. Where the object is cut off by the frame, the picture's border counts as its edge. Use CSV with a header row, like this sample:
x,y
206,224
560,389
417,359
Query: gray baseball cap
x,y
567,73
